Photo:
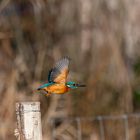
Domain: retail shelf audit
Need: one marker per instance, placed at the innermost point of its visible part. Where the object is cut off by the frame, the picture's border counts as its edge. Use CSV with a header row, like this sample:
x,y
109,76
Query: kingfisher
x,y
57,79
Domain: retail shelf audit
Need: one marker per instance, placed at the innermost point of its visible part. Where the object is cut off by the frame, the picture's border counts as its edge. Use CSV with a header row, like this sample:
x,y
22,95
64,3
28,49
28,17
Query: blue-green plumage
x,y
69,84
45,85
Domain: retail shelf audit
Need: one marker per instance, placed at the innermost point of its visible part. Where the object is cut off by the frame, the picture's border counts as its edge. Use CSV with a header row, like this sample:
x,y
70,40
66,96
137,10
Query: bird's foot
x,y
48,94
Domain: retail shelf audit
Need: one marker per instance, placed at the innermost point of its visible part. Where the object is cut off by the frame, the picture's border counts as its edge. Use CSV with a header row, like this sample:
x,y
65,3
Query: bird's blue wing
x,y
45,85
60,71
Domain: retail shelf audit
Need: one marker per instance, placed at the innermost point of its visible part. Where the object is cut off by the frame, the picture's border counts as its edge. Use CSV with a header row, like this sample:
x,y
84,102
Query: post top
x,y
28,106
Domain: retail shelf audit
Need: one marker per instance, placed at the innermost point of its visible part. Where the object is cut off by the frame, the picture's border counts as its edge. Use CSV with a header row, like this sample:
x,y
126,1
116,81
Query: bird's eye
x,y
74,84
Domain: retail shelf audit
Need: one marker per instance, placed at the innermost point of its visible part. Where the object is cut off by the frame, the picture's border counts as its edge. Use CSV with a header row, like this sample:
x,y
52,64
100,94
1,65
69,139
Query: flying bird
x,y
57,79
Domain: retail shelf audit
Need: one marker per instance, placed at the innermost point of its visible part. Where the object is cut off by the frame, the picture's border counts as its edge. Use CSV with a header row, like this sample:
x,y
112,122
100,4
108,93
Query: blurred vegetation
x,y
136,89
102,39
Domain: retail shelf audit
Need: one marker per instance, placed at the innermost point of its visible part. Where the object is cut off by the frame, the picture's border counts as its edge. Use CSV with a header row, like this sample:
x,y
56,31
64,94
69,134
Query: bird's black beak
x,y
80,85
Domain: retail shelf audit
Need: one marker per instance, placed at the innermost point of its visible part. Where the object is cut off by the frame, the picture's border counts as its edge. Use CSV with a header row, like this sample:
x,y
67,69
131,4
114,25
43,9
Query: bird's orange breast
x,y
57,88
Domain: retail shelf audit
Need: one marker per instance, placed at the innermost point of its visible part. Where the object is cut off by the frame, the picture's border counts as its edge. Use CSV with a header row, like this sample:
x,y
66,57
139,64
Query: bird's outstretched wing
x,y
59,73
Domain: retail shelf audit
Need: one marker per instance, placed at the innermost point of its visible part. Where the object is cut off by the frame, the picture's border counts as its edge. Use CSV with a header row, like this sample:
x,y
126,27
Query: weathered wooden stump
x,y
28,121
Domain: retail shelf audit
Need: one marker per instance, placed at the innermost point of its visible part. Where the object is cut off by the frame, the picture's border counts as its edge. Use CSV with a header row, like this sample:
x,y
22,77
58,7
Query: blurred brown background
x,y
102,38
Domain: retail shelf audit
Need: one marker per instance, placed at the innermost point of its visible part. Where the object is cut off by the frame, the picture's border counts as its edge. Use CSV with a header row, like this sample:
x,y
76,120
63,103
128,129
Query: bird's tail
x,y
35,91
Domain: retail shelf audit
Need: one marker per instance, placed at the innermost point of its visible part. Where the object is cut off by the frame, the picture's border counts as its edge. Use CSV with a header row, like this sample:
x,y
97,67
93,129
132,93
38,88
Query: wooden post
x,y
28,121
